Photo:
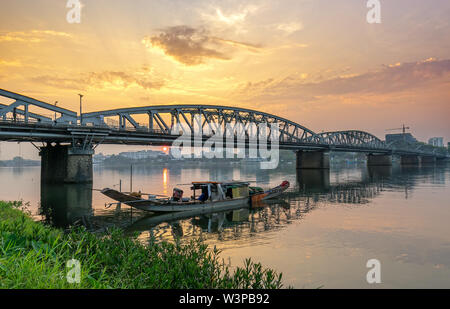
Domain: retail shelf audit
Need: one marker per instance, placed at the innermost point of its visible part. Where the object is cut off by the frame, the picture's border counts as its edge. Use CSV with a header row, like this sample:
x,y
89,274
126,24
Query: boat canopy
x,y
233,184
222,190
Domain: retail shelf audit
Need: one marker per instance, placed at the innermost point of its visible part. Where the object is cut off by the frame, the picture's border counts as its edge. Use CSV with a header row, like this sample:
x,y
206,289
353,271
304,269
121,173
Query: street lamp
x,y
56,103
81,110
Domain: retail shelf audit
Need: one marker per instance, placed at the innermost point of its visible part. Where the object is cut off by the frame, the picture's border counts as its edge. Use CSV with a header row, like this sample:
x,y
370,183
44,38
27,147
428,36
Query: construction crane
x,y
403,128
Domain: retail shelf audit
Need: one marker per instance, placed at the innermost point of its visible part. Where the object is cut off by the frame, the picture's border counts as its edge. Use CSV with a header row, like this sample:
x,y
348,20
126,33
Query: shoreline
x,y
36,256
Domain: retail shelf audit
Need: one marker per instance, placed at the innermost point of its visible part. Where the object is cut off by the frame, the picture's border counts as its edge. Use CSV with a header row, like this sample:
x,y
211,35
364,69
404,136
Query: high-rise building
x,y
400,137
436,141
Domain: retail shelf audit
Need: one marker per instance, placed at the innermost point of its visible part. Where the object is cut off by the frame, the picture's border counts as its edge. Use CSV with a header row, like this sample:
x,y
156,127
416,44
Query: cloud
x,y
100,80
122,79
231,19
289,28
391,78
394,78
32,36
13,63
236,17
249,46
193,46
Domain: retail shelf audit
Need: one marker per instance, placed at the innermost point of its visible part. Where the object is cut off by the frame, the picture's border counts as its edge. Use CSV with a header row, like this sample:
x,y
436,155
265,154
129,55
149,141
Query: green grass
x,y
33,255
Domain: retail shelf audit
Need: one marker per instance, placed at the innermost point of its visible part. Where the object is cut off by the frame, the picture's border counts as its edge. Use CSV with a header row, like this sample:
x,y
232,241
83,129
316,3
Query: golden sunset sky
x,y
318,63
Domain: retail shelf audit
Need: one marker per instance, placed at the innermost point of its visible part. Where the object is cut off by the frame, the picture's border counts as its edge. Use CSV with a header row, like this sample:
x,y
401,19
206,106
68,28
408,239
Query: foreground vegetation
x,y
33,255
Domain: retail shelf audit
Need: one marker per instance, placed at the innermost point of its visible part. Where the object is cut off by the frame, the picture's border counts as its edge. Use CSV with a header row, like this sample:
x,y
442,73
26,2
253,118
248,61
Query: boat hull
x,y
197,207
170,206
165,206
269,194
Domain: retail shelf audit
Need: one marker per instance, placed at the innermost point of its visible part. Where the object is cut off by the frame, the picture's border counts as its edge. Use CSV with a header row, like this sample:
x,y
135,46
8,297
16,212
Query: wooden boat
x,y
215,196
258,195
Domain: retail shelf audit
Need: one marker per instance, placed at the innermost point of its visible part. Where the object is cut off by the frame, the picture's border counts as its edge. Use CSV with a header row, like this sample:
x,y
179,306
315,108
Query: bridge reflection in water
x,y
68,205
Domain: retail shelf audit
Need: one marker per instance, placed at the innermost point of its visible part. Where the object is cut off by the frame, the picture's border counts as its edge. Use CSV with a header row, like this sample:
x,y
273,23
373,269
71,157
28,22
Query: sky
x,y
318,63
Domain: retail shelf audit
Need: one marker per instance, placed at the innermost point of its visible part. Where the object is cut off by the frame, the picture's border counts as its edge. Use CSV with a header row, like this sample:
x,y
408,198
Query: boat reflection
x,y
67,205
244,223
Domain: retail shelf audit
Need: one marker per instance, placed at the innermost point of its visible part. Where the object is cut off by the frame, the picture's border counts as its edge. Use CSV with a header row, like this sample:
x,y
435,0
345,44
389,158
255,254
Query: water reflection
x,y
314,179
65,205
165,191
348,215
247,223
378,173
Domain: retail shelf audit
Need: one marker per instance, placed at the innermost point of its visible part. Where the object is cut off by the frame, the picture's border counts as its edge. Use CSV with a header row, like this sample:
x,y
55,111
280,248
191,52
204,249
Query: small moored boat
x,y
206,196
258,194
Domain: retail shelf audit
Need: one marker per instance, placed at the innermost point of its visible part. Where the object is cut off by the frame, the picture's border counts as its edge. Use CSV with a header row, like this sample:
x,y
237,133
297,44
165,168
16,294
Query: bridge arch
x,y
352,137
211,116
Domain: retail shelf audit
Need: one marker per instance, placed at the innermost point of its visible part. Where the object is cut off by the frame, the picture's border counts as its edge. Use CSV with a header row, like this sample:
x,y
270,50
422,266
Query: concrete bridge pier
x,y
313,160
409,160
428,160
66,164
379,160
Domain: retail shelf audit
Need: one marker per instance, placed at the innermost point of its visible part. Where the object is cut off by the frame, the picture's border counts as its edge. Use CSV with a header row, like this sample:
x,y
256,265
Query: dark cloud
x,y
389,79
59,82
100,80
192,46
125,78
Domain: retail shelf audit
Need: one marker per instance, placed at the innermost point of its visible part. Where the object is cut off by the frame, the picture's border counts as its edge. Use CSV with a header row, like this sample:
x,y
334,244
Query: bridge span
x,y
69,139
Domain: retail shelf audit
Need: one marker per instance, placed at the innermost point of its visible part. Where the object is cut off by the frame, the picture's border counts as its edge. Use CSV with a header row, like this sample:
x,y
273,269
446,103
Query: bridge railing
x,y
57,124
22,105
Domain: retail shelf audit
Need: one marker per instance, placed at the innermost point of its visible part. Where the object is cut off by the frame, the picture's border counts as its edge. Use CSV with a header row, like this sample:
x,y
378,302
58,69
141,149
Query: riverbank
x,y
35,256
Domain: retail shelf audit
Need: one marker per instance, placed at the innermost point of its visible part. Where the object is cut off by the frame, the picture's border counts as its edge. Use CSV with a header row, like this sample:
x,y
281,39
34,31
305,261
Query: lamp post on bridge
x,y
81,109
56,103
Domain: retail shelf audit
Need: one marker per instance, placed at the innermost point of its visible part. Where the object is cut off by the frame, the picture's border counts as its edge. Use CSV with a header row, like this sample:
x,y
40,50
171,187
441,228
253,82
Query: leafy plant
x,y
33,255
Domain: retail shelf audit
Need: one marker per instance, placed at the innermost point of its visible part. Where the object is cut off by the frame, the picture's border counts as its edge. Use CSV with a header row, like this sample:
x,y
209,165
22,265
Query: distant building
x,y
144,154
399,137
436,141
99,158
448,145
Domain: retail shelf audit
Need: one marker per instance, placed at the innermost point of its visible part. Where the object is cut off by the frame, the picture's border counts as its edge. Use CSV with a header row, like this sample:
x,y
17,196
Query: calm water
x,y
321,233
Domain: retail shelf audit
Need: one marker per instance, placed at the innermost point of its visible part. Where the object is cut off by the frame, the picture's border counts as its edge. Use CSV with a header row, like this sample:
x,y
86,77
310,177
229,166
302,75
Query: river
x,y
319,234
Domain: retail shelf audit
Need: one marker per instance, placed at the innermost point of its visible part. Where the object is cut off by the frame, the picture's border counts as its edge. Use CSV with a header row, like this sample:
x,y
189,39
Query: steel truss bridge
x,y
26,119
